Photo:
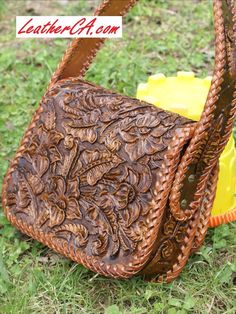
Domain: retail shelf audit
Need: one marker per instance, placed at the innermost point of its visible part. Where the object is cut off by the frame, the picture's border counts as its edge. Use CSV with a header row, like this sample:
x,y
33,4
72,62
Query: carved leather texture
x,y
92,175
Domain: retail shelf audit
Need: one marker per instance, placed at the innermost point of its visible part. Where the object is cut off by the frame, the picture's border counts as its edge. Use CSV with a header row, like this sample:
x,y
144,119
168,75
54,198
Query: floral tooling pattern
x,y
89,170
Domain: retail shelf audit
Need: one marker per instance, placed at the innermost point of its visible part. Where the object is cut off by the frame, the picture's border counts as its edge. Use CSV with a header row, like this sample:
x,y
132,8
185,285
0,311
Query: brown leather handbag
x,y
114,183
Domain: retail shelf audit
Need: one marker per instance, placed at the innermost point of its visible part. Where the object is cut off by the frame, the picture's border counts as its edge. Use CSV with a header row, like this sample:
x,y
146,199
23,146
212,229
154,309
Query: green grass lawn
x,y
159,36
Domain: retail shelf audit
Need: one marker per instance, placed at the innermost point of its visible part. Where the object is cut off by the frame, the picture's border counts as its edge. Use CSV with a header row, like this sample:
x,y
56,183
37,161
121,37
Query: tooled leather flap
x,y
93,174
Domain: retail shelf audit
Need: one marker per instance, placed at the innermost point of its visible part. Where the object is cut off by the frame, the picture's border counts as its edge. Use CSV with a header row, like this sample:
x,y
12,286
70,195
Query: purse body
x,y
92,176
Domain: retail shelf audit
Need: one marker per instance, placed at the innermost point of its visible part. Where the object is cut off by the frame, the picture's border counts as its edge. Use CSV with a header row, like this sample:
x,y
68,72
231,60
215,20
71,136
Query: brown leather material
x,y
117,184
205,214
177,239
93,173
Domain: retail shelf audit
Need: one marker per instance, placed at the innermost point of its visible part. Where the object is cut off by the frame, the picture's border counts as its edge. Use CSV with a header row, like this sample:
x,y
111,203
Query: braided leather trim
x,y
205,215
193,237
196,232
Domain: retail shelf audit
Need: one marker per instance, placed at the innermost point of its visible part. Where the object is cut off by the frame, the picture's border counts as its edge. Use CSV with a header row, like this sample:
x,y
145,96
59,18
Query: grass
x,y
159,36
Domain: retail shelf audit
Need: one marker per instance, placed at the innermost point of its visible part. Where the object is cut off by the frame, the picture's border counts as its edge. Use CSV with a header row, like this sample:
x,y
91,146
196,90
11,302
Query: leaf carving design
x,y
99,246
88,173
41,164
24,197
56,215
84,133
144,137
36,183
50,120
95,164
79,231
98,171
55,155
167,249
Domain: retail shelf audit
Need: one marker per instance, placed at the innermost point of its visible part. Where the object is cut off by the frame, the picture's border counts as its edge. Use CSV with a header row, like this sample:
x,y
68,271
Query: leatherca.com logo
x,y
68,26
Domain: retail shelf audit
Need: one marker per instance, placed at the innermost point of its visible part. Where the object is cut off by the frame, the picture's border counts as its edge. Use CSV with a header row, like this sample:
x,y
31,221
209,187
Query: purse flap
x,y
93,173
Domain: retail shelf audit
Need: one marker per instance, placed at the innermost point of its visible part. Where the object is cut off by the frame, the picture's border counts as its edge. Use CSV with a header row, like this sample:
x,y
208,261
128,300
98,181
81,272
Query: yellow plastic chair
x,y
186,95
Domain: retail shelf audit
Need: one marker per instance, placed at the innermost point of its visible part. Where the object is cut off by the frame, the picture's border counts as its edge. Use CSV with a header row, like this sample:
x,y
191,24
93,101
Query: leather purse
x,y
114,183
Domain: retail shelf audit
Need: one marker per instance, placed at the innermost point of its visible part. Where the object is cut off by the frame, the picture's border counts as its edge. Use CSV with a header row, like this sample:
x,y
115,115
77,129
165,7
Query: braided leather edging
x,y
192,232
206,211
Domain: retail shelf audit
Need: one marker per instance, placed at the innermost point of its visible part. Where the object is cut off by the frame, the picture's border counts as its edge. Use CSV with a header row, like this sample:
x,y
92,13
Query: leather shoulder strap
x,y
215,126
82,51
